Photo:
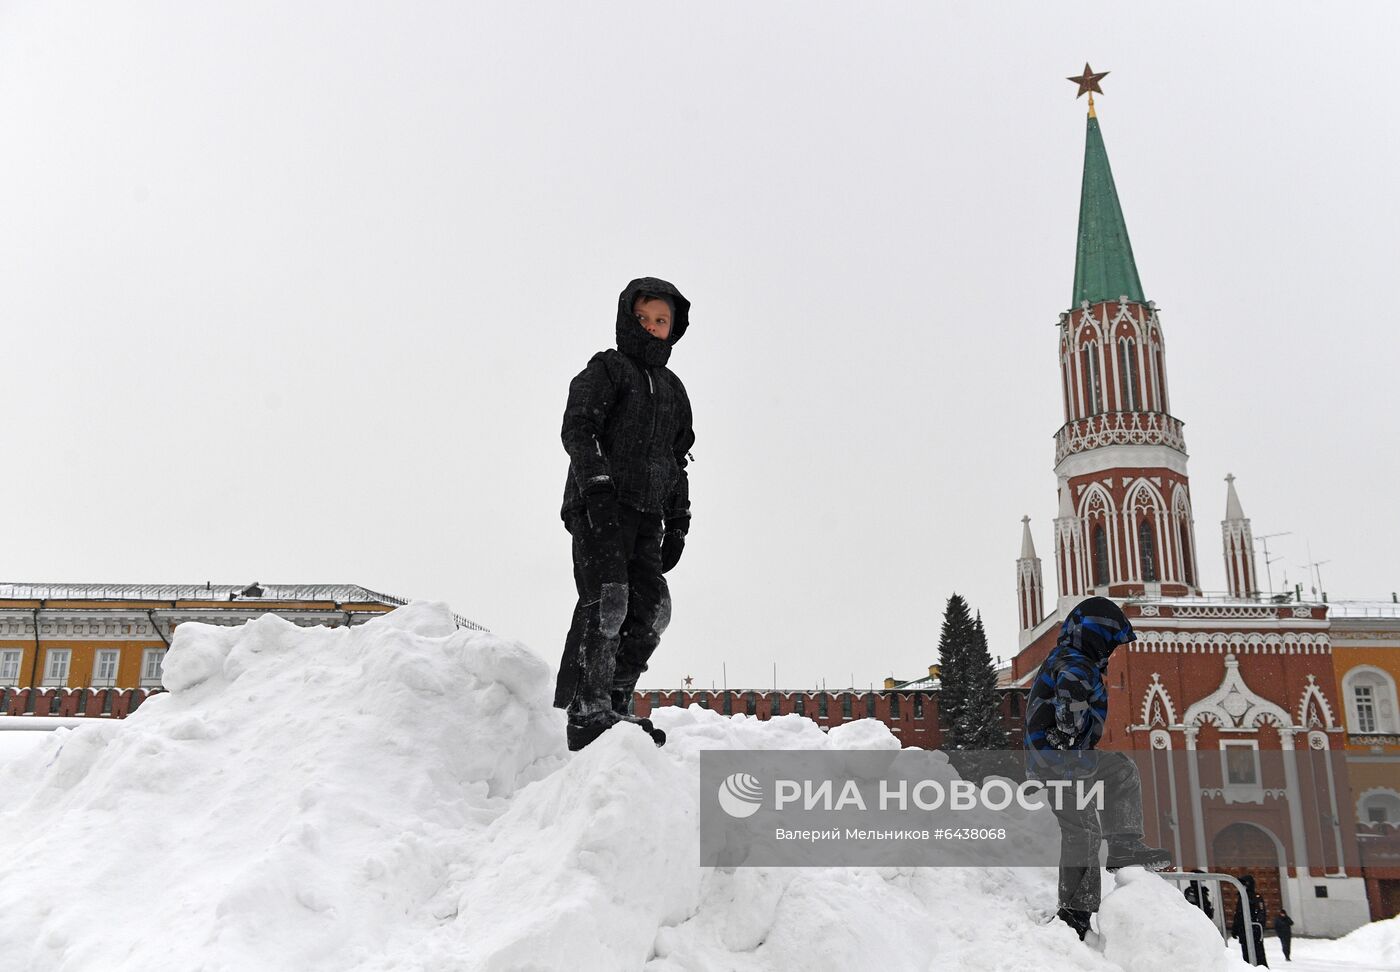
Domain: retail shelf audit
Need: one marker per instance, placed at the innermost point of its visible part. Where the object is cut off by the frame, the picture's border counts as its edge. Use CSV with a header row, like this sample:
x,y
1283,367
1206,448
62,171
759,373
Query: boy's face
x,y
655,316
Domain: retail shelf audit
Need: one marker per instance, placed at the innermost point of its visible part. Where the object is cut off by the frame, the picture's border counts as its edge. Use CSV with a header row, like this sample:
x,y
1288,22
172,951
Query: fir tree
x,y
954,645
979,724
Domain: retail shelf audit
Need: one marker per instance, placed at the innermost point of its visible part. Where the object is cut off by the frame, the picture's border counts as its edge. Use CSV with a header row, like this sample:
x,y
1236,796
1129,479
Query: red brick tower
x,y
1125,526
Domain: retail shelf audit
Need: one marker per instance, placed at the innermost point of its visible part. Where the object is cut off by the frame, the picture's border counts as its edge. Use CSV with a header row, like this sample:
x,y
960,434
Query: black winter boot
x,y
1076,919
1132,852
582,730
622,705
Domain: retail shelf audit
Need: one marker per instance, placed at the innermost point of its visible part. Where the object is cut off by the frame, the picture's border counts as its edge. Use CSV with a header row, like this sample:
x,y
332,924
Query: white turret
x,y
1030,594
1239,546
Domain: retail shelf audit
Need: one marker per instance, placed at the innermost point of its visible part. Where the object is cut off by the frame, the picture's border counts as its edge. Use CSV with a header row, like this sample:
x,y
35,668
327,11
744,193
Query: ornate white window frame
x,y
1383,693
1386,797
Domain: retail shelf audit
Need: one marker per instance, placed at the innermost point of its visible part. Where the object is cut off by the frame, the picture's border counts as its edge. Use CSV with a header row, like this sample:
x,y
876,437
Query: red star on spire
x,y
1088,81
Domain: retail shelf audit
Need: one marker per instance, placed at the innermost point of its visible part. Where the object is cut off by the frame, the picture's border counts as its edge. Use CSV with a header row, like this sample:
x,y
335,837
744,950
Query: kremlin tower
x,y
1125,525
1222,694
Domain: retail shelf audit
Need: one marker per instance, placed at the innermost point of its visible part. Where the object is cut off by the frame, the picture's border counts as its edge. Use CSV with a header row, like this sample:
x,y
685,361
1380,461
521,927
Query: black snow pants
x,y
1082,831
623,608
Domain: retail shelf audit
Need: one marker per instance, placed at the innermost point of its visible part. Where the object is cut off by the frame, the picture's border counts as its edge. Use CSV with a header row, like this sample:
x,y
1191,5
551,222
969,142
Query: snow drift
x,y
398,796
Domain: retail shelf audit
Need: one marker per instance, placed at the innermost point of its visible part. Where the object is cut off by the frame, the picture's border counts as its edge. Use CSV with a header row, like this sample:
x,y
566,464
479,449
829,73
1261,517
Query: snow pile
x,y
398,796
1181,936
1376,945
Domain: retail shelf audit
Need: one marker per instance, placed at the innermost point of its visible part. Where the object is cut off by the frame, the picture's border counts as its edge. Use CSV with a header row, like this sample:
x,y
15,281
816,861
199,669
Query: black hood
x,y
1096,626
633,339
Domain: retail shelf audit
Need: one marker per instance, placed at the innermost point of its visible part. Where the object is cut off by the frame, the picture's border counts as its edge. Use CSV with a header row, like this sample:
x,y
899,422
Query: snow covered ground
x,y
14,744
397,796
1372,948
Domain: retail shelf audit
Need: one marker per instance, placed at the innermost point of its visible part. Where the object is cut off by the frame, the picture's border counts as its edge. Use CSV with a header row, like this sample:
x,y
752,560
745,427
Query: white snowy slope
x,y
398,796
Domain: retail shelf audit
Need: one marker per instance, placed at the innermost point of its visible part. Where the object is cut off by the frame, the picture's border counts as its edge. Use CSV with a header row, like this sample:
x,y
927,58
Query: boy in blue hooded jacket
x,y
1065,713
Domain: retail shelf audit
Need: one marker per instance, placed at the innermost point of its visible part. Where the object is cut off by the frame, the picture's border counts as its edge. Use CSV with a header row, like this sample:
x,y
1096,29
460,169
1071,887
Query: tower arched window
x,y
1128,374
1064,385
1161,376
1089,355
1100,555
1154,391
1147,552
1184,531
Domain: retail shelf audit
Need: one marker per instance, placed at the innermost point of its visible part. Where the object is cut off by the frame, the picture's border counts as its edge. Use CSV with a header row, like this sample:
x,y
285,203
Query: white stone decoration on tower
x,y
1069,547
1239,546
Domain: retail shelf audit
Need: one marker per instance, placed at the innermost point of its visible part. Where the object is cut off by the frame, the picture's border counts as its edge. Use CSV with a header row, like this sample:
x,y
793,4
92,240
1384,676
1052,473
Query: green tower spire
x,y
1103,267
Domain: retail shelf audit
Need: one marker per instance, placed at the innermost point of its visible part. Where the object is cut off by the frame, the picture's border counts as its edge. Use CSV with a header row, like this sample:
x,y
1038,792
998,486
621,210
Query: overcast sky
x,y
292,292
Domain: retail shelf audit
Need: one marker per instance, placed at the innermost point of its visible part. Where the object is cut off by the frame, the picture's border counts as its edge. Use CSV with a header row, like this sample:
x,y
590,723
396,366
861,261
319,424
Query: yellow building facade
x,y
98,650
1365,639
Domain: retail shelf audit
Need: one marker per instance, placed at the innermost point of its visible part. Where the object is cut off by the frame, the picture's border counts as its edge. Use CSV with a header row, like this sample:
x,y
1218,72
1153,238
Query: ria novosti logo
x,y
740,795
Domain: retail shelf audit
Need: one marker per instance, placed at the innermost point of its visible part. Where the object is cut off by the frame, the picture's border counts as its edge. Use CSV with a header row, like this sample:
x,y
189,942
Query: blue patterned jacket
x,y
1068,697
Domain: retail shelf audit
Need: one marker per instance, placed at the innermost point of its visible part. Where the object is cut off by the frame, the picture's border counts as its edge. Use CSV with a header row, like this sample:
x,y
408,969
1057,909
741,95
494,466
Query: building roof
x,y
1027,544
1377,608
340,593
1103,266
240,594
1233,509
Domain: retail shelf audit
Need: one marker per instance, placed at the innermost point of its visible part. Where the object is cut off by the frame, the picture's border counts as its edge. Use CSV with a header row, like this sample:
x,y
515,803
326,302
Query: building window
x,y
1100,555
704,701
1161,378
1365,708
107,702
918,705
9,667
775,704
799,705
894,706
870,706
1090,353
1186,558
1380,807
821,706
56,666
1128,372
1370,700
845,705
1146,553
751,704
1014,703
152,663
104,670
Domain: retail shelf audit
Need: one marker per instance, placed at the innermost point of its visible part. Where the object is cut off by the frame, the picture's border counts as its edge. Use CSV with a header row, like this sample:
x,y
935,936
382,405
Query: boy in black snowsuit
x,y
627,429
1065,712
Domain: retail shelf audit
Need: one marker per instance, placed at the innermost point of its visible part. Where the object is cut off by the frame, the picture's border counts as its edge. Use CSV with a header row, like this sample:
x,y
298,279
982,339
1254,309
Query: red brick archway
x,y
1242,849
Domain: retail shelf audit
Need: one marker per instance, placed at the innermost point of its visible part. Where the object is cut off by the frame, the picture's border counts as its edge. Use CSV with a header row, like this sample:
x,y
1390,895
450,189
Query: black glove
x,y
1058,739
602,510
672,546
